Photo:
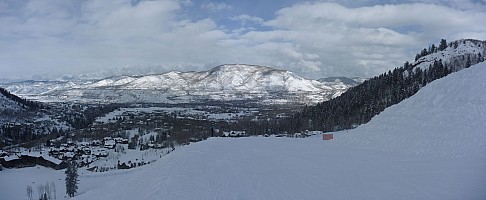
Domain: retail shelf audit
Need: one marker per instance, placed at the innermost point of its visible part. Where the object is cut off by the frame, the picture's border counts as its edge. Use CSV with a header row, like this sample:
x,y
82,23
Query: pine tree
x,y
442,45
468,61
71,178
417,57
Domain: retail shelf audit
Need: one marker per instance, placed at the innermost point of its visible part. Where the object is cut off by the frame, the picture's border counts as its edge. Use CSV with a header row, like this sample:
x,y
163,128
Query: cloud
x,y
247,19
368,40
313,39
214,7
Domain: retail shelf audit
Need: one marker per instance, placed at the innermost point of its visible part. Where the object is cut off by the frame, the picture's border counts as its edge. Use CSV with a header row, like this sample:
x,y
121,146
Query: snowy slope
x,y
447,118
430,146
464,48
10,111
8,104
225,82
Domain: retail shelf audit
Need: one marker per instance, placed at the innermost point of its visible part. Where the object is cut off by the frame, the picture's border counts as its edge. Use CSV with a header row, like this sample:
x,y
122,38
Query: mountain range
x,y
231,82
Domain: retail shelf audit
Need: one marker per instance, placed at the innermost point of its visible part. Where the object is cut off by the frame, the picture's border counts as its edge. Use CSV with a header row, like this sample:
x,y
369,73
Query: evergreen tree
x,y
442,45
417,57
71,178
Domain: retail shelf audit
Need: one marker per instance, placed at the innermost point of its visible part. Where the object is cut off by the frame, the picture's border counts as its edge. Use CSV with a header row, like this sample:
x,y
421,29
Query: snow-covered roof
x,y
10,158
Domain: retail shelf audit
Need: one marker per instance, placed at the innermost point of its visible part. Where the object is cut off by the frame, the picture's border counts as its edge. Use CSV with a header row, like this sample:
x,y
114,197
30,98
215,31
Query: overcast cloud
x,y
41,38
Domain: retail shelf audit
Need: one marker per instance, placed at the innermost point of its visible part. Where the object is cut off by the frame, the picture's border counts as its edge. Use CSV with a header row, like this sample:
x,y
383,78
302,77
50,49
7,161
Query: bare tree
x,y
53,188
29,192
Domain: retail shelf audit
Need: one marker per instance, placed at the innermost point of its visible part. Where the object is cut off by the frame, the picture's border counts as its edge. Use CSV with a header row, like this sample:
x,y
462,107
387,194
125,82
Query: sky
x,y
48,39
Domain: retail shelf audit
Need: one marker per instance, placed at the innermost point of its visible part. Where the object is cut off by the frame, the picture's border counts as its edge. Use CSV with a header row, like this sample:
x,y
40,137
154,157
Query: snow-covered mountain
x,y
457,53
341,84
225,82
430,146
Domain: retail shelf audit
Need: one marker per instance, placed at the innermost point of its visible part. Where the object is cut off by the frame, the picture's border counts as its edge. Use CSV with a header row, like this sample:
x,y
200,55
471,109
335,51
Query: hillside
x,y
359,104
14,109
430,146
23,121
223,83
444,118
8,104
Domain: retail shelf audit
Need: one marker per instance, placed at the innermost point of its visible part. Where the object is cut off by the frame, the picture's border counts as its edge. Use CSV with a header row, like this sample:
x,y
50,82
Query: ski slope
x,y
430,146
283,168
446,118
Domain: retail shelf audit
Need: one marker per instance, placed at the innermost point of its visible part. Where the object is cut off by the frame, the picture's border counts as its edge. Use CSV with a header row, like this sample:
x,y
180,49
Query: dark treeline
x,y
359,104
21,101
81,116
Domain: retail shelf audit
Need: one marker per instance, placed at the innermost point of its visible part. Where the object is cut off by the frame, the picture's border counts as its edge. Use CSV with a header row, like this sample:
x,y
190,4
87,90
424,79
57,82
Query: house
x,y
123,165
110,144
68,155
234,134
95,143
100,152
26,160
3,153
120,140
327,136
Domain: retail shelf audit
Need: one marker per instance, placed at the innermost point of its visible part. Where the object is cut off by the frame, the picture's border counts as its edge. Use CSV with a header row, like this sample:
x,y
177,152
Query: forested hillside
x,y
20,101
359,104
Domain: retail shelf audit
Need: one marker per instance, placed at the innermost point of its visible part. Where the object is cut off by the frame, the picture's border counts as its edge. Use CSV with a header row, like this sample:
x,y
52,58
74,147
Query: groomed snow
x,y
446,118
283,168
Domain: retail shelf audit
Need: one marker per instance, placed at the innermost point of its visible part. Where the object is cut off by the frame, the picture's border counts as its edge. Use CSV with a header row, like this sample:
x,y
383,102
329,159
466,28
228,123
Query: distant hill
x,y
343,80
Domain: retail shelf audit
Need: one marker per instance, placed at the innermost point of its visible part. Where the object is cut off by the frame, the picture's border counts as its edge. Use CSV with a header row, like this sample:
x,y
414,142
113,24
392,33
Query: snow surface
x,y
446,118
431,146
464,47
283,168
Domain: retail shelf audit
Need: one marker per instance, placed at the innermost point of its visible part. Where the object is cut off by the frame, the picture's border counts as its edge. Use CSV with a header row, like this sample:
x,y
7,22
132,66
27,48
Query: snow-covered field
x,y
431,146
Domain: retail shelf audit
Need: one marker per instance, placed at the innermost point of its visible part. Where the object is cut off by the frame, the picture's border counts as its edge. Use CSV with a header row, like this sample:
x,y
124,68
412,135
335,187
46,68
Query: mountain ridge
x,y
221,83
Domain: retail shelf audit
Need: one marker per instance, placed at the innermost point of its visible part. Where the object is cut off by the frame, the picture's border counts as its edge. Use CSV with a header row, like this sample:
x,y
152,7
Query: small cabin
x,y
327,136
